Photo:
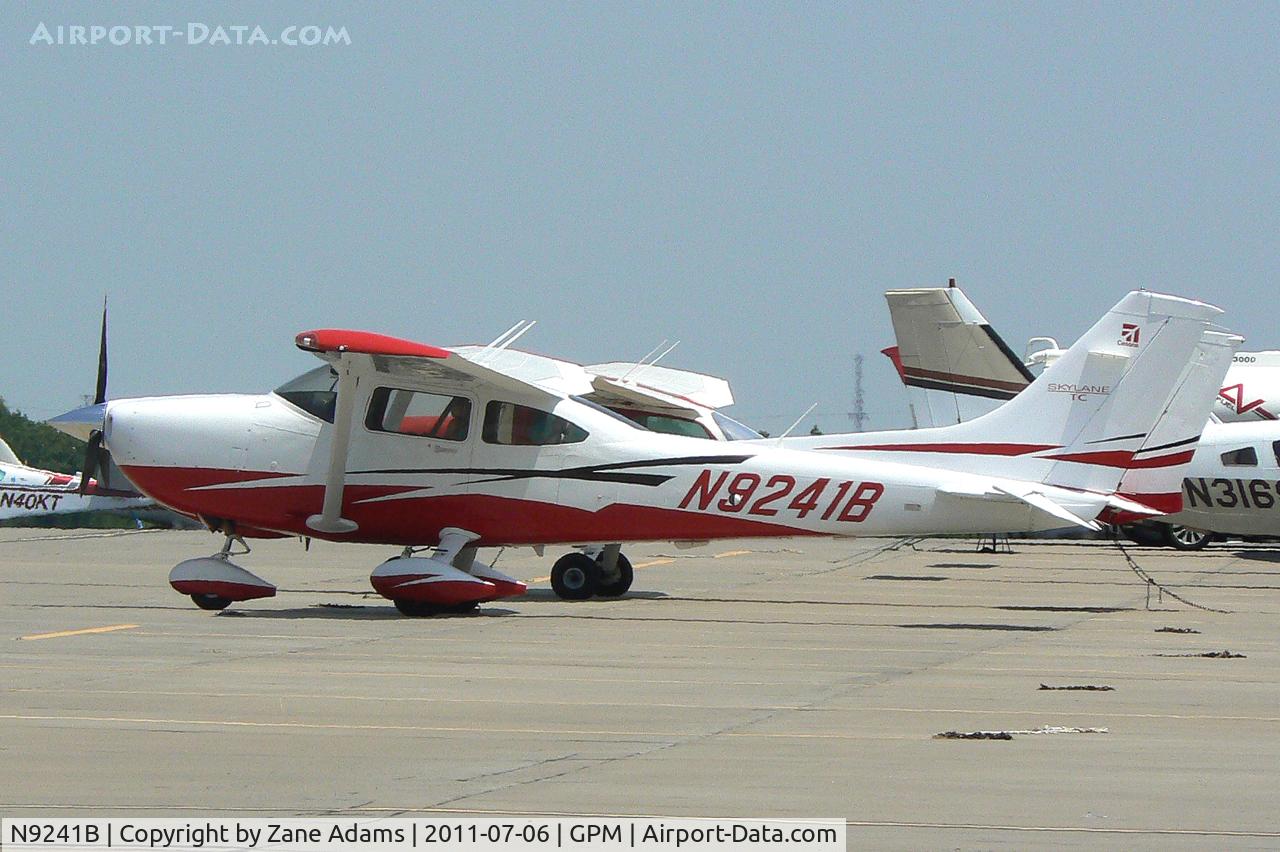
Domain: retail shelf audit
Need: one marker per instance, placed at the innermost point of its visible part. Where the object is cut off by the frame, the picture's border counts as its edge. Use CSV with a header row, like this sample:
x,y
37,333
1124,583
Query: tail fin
x,y
953,363
1154,476
6,454
1079,424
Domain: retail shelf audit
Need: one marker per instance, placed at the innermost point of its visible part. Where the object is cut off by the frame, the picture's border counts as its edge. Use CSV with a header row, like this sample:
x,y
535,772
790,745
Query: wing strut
x,y
330,519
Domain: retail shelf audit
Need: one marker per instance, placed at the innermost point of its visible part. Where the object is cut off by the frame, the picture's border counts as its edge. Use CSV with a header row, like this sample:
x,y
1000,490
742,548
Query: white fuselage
x,y
1233,482
28,492
260,461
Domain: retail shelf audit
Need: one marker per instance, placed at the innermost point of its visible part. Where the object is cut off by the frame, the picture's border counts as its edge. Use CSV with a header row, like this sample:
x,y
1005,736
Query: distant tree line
x,y
38,444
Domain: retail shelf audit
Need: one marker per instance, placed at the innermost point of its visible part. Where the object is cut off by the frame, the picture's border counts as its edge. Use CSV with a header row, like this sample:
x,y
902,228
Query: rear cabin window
x,y
1243,457
427,415
520,425
1275,448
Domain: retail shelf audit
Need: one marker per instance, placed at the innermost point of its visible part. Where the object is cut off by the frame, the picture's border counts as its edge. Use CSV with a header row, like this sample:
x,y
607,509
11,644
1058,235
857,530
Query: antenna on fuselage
x,y
508,337
797,423
645,362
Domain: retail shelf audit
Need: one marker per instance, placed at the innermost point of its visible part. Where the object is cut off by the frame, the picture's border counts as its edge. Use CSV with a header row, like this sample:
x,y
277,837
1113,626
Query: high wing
x,y
356,354
563,378
465,366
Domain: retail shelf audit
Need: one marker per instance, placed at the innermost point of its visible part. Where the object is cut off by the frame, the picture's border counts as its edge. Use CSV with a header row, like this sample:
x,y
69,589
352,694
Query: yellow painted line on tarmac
x,y
650,564
728,553
83,632
653,562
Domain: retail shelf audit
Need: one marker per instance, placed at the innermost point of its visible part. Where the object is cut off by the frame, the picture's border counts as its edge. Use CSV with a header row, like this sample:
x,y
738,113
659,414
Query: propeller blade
x,y
101,395
91,458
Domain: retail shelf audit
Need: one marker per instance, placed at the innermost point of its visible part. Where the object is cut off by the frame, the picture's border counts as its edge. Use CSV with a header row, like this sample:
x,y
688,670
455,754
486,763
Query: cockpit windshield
x,y
733,430
315,392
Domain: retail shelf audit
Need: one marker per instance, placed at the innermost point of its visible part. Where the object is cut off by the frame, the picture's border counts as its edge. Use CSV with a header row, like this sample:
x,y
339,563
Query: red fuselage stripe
x,y
970,449
414,520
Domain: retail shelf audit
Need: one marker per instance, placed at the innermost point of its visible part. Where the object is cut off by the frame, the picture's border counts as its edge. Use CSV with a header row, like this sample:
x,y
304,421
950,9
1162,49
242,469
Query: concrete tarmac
x,y
783,678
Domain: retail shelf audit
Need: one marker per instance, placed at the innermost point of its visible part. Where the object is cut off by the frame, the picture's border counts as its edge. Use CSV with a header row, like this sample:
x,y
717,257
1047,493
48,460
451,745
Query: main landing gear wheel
x,y
620,583
575,576
462,608
416,609
211,601
1146,534
1183,538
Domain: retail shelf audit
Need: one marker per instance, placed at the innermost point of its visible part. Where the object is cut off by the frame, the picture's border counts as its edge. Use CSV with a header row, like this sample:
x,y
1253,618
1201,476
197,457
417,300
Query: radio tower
x,y
859,414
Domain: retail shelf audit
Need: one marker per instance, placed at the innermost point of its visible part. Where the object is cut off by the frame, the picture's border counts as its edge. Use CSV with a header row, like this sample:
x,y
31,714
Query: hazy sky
x,y
747,178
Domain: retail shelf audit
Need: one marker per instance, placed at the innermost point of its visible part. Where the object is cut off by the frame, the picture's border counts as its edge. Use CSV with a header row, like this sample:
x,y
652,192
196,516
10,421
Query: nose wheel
x,y
211,602
215,582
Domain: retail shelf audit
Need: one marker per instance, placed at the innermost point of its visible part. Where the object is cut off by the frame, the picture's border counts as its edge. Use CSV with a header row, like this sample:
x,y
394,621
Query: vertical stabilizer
x,y
1081,422
6,454
1154,475
953,363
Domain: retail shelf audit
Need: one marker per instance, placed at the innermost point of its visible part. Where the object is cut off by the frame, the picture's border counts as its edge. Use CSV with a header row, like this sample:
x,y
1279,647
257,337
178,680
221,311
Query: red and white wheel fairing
x,y
210,575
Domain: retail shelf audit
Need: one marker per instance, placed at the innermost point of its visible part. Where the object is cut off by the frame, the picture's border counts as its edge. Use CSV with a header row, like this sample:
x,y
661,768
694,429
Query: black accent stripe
x,y
650,479
1008,353
611,472
1119,438
1169,446
964,390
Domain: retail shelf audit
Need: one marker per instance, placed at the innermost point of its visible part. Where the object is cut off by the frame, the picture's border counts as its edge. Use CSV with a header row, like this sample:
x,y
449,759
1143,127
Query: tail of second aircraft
x,y
1083,422
951,360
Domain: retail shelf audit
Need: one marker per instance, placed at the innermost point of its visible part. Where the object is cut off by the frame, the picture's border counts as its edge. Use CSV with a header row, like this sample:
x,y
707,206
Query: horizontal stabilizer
x,y
1049,507
1133,507
1036,499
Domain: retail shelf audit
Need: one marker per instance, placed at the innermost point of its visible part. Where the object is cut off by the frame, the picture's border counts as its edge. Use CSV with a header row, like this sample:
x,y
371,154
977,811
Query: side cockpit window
x,y
1243,457
519,425
427,415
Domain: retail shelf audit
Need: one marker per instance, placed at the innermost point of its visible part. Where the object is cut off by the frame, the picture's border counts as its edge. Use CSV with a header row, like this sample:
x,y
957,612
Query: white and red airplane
x,y
942,328
29,492
408,444
955,366
1250,391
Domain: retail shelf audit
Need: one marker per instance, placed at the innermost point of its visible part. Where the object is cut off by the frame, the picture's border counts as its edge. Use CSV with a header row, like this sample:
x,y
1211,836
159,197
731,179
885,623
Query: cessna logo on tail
x,y
1129,334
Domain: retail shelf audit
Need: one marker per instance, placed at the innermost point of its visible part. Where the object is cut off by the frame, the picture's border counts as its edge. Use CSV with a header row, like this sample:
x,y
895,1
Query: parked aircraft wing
x,y
653,383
